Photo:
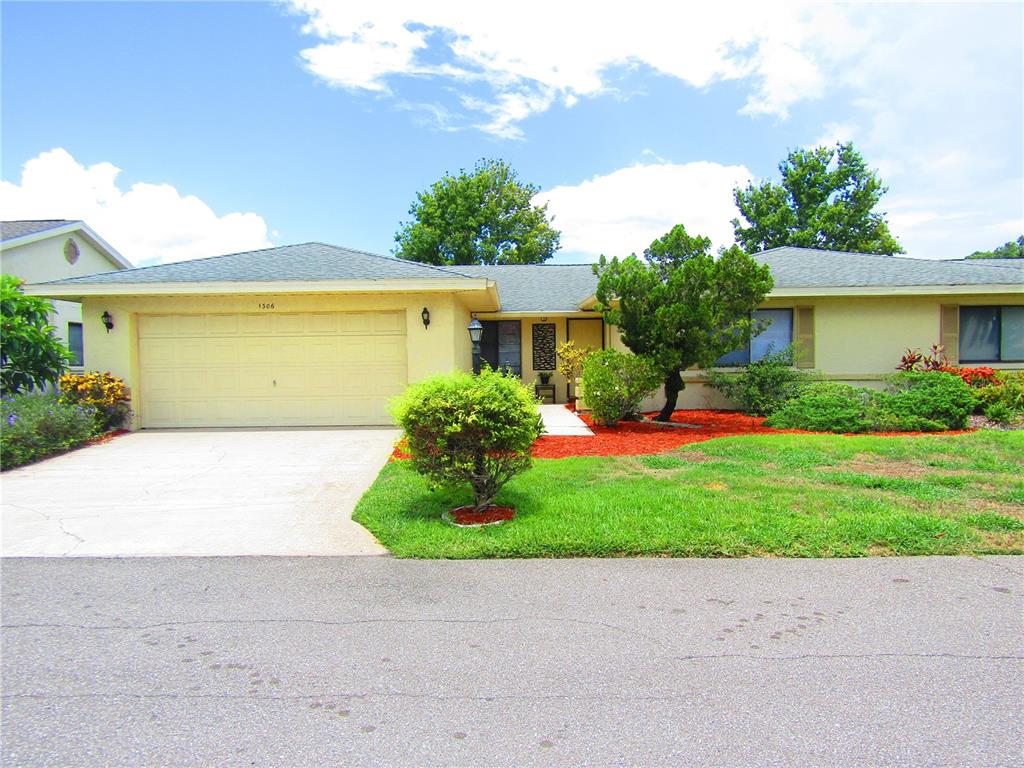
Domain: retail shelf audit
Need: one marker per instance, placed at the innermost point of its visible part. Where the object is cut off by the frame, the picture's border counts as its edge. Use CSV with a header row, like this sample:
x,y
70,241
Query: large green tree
x,y
483,217
1014,249
681,306
827,199
31,355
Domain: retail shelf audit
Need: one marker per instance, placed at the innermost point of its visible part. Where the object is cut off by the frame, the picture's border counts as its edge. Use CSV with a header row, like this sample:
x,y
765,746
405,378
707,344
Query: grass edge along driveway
x,y
760,495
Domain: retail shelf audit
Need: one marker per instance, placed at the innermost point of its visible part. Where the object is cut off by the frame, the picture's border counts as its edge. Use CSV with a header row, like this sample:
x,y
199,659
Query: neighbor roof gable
x,y
14,234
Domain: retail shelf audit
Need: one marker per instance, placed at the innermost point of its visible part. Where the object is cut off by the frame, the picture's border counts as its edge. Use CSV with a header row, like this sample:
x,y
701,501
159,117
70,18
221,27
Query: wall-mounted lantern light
x,y
476,332
425,314
108,321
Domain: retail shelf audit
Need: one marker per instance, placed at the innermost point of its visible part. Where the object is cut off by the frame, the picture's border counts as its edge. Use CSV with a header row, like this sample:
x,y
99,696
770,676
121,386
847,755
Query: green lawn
x,y
759,495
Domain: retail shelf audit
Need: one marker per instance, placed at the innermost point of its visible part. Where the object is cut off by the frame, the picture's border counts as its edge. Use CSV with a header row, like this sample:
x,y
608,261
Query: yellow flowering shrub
x,y
103,391
571,358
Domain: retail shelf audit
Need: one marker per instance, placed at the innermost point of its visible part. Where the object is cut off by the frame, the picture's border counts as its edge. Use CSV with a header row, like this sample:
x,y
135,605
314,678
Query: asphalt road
x,y
373,661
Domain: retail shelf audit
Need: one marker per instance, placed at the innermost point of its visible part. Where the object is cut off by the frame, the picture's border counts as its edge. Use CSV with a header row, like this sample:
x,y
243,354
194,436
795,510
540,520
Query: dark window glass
x,y
75,343
776,337
1011,345
979,334
500,345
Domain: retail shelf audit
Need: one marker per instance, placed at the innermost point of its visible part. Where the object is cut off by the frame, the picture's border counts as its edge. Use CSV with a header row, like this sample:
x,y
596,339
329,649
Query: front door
x,y
501,345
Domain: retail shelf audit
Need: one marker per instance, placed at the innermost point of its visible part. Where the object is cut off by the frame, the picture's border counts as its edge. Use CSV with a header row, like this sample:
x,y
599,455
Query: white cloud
x,y
624,211
530,55
148,223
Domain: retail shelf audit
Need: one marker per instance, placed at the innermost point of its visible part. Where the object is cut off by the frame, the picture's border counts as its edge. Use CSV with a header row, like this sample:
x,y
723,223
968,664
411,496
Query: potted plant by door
x,y
544,376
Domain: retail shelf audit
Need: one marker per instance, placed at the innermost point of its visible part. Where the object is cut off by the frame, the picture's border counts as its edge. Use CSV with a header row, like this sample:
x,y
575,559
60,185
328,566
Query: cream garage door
x,y
270,369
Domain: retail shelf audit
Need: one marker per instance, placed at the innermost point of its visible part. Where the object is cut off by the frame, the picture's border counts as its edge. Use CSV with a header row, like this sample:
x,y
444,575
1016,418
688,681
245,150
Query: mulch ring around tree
x,y
467,517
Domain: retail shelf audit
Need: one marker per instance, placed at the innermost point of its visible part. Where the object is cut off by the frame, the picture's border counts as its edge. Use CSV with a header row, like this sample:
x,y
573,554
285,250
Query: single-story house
x,y
316,334
54,249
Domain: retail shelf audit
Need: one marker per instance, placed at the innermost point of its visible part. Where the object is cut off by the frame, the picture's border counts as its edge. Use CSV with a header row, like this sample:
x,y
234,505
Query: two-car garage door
x,y
271,369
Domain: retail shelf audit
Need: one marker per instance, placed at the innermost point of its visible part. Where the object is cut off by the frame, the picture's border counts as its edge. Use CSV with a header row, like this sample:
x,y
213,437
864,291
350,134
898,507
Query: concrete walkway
x,y
360,661
198,492
559,420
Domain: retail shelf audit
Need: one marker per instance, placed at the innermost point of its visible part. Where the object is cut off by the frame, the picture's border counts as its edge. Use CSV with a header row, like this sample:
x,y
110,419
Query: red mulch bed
x,y
634,438
493,514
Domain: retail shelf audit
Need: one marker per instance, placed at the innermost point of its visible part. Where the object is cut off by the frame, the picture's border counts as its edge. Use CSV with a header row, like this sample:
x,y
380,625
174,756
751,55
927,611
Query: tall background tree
x,y
1011,250
681,306
483,217
827,199
31,355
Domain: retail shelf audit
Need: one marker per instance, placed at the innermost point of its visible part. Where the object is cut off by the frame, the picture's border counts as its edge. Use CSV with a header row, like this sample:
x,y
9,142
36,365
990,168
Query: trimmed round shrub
x,y
763,386
35,425
466,429
931,396
615,383
827,406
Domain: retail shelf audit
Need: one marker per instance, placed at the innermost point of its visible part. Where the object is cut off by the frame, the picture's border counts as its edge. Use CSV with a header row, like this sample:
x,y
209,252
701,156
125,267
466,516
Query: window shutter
x,y
949,331
803,336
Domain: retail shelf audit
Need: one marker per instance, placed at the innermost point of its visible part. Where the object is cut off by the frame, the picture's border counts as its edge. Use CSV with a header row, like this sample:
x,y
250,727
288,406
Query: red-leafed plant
x,y
934,360
982,376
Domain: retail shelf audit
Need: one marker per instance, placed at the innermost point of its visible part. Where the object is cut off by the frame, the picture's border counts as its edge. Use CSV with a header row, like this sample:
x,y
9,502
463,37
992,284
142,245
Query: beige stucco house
x,y
56,249
316,334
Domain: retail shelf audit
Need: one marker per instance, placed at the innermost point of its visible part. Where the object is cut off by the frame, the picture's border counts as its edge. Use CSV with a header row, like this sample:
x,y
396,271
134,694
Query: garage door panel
x,y
388,322
323,323
390,349
272,369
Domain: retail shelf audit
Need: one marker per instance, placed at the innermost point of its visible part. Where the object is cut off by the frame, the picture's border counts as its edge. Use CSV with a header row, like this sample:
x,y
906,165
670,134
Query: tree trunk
x,y
673,386
484,486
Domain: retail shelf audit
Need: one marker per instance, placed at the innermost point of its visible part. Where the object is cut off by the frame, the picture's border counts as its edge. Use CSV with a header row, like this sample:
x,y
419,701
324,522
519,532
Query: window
x,y
75,343
775,338
500,345
991,334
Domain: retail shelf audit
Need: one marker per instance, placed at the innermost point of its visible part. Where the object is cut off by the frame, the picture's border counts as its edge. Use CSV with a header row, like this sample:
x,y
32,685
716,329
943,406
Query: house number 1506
x,y
266,306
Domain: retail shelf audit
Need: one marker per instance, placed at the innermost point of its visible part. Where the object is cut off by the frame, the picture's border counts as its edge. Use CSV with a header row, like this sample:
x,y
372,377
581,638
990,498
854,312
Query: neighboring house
x,y
316,334
39,251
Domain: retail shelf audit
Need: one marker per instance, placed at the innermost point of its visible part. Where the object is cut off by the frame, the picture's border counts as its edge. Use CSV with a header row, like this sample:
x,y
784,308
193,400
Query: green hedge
x,y
37,425
762,387
913,402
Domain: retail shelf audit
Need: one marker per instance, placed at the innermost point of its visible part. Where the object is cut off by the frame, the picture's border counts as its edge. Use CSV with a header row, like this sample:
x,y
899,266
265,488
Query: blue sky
x,y
189,129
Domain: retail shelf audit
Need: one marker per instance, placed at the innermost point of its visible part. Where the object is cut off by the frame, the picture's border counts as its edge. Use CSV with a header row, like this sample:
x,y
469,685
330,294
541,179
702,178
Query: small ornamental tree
x,y
571,359
681,306
31,355
470,429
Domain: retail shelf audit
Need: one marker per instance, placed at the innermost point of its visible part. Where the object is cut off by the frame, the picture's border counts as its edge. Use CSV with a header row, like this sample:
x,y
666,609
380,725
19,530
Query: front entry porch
x,y
527,347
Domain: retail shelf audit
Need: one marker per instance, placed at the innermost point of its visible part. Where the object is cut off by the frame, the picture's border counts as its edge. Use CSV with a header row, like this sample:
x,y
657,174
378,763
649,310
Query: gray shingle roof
x,y
12,229
1012,263
308,261
552,287
538,287
812,268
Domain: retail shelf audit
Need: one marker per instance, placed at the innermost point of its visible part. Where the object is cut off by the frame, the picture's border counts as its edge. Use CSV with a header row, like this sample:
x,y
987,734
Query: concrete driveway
x,y
198,492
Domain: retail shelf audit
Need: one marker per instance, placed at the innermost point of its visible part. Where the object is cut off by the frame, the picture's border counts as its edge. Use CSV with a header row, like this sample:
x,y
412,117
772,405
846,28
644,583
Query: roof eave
x,y
896,290
78,290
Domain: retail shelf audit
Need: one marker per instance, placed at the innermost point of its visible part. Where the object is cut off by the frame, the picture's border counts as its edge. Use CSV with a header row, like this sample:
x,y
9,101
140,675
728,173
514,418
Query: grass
x,y
759,495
